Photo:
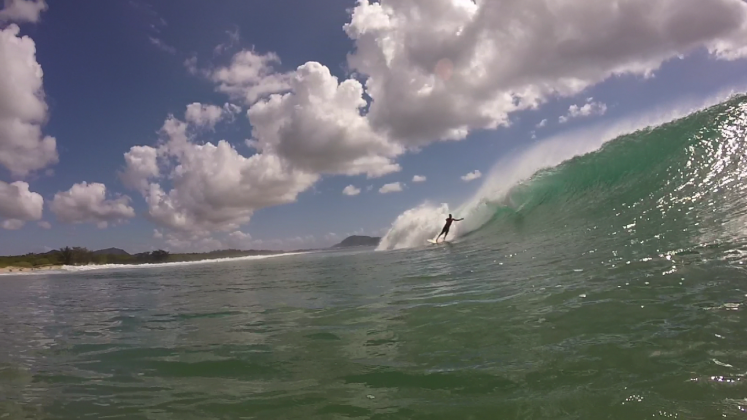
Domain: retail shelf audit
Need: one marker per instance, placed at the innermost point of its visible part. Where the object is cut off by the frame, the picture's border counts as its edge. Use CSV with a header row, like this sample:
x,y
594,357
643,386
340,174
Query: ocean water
x,y
610,286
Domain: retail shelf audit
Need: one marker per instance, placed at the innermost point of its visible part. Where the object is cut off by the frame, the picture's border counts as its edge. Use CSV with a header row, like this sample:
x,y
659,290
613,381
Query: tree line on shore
x,y
83,256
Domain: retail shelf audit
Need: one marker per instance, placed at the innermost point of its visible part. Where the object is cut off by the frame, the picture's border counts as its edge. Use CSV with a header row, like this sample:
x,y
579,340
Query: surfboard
x,y
431,241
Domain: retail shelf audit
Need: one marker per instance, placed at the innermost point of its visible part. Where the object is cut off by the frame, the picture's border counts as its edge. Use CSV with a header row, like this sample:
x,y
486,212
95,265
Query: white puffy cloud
x,y
213,187
542,123
472,176
22,10
351,190
437,69
390,188
19,205
216,188
318,126
419,178
249,76
590,108
23,147
87,203
202,115
44,224
141,164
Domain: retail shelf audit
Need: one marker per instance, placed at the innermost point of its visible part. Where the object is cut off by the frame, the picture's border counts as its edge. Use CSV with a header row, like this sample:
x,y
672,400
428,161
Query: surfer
x,y
445,230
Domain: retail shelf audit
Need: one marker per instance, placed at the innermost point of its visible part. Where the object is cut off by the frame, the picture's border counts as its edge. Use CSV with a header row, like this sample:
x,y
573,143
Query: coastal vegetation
x,y
83,256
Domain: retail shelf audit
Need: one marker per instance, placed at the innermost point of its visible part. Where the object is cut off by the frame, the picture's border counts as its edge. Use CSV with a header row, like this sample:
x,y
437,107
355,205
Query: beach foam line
x,y
66,269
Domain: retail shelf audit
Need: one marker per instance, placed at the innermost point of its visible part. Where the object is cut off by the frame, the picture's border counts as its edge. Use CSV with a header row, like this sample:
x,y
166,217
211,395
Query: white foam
x,y
414,226
99,267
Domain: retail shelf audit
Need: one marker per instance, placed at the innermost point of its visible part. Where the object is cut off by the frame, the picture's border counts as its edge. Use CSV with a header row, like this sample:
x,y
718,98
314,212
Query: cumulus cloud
x,y
390,188
542,123
216,188
202,115
87,203
437,69
472,176
318,126
308,117
23,147
141,164
351,190
419,178
19,205
590,108
22,10
249,76
213,187
44,224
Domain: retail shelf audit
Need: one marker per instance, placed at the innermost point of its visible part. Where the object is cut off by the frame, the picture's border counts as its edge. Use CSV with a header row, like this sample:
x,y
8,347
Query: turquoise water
x,y
609,287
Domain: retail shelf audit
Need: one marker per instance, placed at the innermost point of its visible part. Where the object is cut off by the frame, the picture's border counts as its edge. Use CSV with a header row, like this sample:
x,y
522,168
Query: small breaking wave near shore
x,y
64,269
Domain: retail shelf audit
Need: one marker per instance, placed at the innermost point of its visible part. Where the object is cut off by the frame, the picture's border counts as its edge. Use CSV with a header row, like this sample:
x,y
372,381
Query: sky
x,y
286,124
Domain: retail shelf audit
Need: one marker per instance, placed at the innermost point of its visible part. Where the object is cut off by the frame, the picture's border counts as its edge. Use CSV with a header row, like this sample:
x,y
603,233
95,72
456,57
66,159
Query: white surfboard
x,y
432,241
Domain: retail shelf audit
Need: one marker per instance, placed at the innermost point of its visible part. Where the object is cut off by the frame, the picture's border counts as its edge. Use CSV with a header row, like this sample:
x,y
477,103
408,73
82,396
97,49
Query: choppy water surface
x,y
610,287
445,333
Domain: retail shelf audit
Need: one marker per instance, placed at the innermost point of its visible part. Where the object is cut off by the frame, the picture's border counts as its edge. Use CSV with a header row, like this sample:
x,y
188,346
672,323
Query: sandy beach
x,y
8,270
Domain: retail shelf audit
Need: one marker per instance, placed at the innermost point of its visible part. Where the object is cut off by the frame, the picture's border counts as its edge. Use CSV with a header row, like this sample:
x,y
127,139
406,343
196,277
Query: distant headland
x,y
57,258
358,241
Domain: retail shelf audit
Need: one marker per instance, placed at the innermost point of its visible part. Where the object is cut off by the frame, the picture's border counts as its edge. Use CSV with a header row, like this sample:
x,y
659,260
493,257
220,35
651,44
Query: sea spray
x,y
413,227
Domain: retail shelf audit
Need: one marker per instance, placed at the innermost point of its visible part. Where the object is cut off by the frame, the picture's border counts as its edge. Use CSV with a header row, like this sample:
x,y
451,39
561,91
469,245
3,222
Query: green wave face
x,y
680,185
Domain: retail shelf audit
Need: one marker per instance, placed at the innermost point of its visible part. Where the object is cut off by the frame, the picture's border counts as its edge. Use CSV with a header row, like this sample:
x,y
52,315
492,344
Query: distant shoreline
x,y
56,260
12,269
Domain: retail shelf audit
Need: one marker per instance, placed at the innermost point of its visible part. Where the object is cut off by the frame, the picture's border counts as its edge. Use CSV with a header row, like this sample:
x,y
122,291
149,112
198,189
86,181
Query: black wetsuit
x,y
445,230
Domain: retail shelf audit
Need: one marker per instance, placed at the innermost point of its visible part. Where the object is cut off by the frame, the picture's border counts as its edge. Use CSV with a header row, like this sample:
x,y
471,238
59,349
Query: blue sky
x,y
114,71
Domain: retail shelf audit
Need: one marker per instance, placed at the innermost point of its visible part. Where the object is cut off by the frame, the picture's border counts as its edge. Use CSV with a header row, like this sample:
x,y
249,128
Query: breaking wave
x,y
573,173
